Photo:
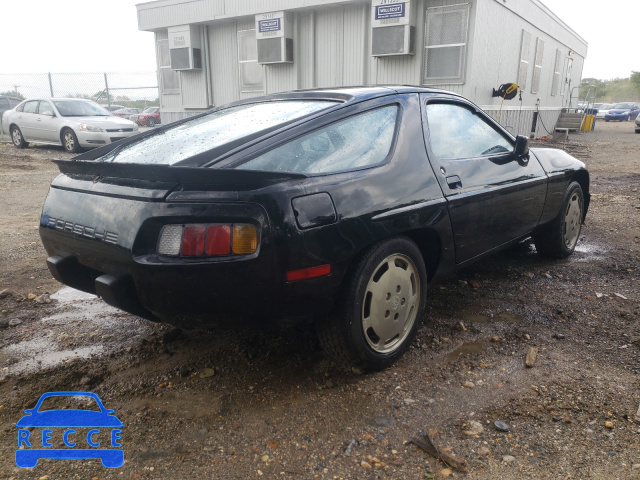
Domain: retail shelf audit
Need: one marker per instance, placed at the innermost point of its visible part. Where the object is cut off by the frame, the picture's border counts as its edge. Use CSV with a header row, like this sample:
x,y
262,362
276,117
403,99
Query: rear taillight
x,y
198,240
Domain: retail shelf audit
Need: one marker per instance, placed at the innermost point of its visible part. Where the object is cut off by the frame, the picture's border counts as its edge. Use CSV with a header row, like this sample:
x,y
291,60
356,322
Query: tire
x,y
377,315
606,120
559,238
637,130
17,138
70,141
151,122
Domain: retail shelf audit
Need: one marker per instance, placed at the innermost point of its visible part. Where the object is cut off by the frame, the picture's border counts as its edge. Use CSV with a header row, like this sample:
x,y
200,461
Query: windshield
x,y
150,110
210,131
79,108
623,106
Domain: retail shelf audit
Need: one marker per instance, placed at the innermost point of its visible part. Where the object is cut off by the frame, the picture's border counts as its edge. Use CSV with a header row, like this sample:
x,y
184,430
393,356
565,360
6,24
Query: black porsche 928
x,y
340,204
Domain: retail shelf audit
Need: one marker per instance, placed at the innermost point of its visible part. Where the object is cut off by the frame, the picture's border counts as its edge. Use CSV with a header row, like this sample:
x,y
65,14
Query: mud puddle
x,y
81,326
468,349
587,252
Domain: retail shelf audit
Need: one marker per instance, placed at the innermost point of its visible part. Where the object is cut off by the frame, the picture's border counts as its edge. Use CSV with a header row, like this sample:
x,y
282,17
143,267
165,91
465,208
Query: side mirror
x,y
522,147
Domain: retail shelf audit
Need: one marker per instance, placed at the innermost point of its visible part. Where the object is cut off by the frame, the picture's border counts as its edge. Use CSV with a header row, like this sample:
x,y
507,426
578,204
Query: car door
x,y
46,123
493,196
27,121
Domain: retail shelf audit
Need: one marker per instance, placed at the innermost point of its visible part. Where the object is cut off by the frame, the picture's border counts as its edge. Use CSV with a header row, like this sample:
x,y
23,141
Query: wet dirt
x,y
264,403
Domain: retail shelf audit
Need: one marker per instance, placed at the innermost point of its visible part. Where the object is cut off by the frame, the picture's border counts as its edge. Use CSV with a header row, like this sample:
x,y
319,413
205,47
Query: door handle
x,y
454,182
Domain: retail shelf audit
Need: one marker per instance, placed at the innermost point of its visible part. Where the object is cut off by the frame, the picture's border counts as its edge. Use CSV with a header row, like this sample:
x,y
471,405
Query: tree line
x,y
612,91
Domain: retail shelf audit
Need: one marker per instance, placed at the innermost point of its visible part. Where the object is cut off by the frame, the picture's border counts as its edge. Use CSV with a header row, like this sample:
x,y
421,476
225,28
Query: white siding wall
x,y
223,50
498,28
332,47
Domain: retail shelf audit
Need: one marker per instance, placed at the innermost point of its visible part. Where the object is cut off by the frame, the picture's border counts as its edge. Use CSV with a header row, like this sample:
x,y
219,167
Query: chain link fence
x,y
134,90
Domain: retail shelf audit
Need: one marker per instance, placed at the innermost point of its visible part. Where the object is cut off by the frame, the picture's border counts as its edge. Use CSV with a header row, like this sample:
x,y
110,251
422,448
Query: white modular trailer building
x,y
210,52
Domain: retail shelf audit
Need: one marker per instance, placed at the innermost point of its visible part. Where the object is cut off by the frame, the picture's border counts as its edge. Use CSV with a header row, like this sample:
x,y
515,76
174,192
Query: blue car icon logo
x,y
79,433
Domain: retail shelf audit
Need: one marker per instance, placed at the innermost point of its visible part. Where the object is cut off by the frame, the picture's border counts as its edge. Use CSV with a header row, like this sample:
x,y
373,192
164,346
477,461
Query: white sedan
x,y
70,122
603,109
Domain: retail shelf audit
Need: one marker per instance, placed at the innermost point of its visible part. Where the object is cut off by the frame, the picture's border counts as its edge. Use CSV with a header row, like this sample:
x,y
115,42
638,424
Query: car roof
x,y
356,93
58,99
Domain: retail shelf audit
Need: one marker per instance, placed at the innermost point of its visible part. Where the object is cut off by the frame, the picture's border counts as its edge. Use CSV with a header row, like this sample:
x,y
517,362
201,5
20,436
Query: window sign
x,y
390,12
269,25
274,24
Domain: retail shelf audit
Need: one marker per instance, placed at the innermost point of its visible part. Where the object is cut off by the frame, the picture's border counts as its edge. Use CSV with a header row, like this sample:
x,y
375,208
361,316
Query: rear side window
x,y
31,107
360,141
456,132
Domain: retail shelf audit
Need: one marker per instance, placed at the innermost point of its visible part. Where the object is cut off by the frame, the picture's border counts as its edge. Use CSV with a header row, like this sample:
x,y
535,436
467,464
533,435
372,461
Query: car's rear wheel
x,y
70,141
17,138
151,122
559,238
377,316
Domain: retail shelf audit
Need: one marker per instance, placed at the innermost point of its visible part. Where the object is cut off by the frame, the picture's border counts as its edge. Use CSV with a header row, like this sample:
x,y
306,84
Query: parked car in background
x,y
7,103
70,122
149,117
337,205
603,109
622,112
127,112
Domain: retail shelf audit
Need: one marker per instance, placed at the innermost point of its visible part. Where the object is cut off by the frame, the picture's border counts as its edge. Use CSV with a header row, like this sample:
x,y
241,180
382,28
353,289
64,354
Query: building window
x,y
445,44
537,67
557,74
169,79
251,73
523,67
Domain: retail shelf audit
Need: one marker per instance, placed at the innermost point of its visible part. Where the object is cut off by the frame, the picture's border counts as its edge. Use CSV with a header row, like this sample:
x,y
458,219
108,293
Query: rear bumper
x,y
189,297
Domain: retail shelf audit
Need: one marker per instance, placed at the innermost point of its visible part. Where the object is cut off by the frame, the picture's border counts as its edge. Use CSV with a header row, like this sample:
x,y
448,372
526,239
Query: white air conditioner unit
x,y
392,28
184,47
274,35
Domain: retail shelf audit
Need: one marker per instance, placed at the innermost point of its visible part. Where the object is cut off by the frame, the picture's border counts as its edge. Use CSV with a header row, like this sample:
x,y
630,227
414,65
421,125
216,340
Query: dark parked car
x,y
7,103
149,117
322,203
622,112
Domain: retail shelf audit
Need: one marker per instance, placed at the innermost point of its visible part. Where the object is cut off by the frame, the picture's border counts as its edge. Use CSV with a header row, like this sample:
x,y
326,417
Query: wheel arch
x,y
61,133
582,177
430,245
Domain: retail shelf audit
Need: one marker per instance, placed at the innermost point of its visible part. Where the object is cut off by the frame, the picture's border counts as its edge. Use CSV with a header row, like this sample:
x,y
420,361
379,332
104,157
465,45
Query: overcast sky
x,y
103,36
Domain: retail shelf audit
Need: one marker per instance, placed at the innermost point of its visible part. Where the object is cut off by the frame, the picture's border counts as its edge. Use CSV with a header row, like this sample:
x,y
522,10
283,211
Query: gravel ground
x,y
259,403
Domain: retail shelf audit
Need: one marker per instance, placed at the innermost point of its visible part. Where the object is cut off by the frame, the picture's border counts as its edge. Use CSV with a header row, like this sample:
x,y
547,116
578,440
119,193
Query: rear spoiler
x,y
223,179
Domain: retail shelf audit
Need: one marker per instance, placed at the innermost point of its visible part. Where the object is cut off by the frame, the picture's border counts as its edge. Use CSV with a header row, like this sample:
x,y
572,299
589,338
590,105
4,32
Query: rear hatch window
x,y
172,145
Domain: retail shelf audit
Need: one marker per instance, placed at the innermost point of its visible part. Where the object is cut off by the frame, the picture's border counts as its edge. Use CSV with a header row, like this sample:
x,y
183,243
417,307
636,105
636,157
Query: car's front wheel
x,y
151,122
377,316
560,237
70,141
17,138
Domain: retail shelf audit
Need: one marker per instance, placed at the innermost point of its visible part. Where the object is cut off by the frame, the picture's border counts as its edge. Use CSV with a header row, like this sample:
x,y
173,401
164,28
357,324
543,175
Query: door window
x,y
457,132
31,107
